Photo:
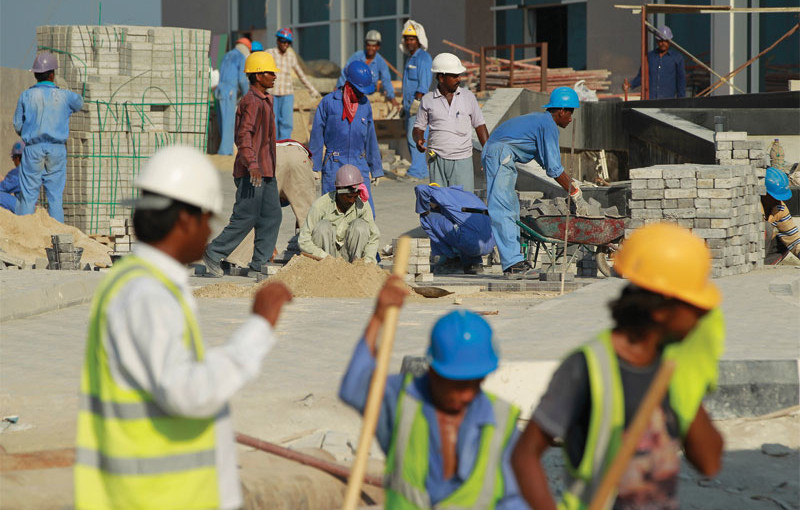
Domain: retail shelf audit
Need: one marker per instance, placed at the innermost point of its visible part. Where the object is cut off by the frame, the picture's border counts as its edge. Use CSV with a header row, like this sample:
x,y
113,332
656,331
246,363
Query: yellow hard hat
x,y
260,62
409,30
669,260
435,185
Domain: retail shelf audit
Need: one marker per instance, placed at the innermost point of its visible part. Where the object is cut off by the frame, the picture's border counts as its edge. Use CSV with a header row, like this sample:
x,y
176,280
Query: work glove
x,y
255,178
414,108
581,206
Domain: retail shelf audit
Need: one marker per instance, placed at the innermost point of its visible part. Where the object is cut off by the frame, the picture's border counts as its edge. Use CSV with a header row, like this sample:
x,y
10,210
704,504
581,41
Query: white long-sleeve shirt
x,y
144,342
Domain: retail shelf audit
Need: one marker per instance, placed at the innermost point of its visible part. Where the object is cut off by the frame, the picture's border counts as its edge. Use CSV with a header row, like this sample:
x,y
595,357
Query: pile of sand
x,y
26,237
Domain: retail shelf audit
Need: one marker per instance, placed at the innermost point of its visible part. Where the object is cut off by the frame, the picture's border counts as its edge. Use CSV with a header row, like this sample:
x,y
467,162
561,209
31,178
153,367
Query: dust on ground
x,y
26,237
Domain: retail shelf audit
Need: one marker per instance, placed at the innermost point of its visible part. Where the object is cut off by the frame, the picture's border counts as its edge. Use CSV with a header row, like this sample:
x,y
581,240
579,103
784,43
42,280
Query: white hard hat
x,y
181,173
447,63
373,36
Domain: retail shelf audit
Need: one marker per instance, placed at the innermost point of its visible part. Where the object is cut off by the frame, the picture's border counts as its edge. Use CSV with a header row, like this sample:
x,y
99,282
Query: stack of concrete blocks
x,y
144,88
718,203
733,148
419,260
64,255
587,265
122,234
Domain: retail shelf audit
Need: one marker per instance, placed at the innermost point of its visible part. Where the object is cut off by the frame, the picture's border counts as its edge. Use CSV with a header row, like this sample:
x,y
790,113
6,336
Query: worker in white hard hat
x,y
154,426
417,80
451,112
340,223
666,70
377,65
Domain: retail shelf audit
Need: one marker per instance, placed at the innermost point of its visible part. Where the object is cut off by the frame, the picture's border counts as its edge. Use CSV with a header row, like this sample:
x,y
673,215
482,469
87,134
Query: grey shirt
x,y
451,124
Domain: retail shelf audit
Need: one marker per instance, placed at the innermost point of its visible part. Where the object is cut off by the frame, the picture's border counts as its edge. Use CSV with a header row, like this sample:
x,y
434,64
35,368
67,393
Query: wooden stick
x,y
655,394
377,385
566,225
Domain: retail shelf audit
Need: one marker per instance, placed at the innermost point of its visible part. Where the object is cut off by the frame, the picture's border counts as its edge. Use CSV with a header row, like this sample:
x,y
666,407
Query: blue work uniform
x,y
9,189
417,78
528,137
378,67
454,231
42,121
353,143
232,81
353,391
667,75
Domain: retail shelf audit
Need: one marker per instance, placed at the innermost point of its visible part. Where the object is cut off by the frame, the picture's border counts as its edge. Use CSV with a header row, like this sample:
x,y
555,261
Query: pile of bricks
x,y
143,88
733,148
64,255
718,203
587,265
120,239
419,260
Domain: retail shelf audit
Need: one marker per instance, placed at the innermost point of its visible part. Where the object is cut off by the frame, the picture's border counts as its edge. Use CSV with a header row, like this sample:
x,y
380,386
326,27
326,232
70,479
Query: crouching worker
x,y
447,442
340,223
667,311
780,224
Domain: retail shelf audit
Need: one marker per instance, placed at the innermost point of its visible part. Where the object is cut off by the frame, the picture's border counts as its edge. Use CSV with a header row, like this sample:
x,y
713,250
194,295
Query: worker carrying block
x,y
667,313
447,442
154,426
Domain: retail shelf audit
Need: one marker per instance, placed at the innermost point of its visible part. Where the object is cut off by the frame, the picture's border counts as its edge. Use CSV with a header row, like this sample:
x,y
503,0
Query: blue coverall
x,y
528,137
231,80
9,189
380,71
42,121
417,77
353,143
667,75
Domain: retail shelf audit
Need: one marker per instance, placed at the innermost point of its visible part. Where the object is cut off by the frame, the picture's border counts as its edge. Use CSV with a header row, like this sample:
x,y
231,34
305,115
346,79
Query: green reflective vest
x,y
130,453
407,461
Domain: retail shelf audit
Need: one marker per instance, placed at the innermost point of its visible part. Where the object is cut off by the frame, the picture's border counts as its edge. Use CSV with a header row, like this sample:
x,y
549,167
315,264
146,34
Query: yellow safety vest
x,y
407,461
130,453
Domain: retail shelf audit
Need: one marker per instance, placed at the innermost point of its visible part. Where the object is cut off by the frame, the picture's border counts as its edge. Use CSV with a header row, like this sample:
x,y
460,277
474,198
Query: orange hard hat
x,y
669,260
245,41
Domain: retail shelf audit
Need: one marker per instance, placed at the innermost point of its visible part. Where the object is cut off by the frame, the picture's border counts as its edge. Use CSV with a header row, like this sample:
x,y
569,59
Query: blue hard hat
x,y
461,347
285,33
256,46
360,77
563,97
778,184
16,149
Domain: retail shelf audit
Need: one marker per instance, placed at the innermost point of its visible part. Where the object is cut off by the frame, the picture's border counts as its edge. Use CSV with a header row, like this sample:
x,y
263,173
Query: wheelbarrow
x,y
598,235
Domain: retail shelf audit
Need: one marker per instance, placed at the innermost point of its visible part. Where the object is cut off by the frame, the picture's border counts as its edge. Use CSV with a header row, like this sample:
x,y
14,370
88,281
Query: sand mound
x,y
26,237
225,290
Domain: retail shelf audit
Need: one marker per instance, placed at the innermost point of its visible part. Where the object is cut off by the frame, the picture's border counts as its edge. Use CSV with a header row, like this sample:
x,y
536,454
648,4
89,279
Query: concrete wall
x,y
612,41
466,23
12,83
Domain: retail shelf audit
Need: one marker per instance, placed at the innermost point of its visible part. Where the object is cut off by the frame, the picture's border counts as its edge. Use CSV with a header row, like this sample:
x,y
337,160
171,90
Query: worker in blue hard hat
x,y
447,441
343,125
9,186
531,137
256,46
666,70
778,217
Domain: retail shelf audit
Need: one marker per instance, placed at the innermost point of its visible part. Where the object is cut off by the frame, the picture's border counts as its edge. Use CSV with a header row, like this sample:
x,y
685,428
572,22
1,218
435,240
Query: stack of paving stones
x,y
587,266
419,260
64,255
143,88
718,203
122,235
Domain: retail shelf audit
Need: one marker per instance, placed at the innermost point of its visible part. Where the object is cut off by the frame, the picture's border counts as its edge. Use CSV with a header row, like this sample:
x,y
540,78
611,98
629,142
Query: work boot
x,y
520,270
213,269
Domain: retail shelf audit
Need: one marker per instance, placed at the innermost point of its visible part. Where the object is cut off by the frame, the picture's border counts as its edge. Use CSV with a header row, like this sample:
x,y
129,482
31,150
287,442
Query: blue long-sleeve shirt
x,y
378,67
10,183
346,142
231,72
417,76
667,75
480,412
43,111
533,136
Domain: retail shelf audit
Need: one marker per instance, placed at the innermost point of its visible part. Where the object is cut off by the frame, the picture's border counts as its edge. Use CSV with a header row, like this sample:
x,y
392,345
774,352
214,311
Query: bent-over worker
x,y
340,222
779,218
447,442
154,426
9,187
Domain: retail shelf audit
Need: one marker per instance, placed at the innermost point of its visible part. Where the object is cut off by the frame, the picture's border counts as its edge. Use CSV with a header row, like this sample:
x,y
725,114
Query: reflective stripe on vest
x,y
130,452
606,424
407,462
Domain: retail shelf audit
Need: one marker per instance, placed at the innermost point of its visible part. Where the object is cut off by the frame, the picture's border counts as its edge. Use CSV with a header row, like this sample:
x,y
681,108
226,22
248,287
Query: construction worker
x,y
257,203
667,311
42,121
447,442
666,70
377,66
256,46
9,186
417,80
343,124
283,91
232,84
340,223
779,218
452,112
154,426
528,137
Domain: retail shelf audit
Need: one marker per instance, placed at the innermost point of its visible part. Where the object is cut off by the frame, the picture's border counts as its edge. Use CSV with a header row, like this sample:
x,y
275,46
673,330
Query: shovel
x,y
432,292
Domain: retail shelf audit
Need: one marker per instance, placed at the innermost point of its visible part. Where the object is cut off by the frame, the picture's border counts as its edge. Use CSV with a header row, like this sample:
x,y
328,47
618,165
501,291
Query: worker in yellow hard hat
x,y
667,311
417,78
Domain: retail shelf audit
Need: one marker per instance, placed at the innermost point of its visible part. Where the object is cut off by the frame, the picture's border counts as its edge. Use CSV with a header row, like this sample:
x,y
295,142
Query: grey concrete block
x,y
679,172
685,203
679,213
639,183
672,183
688,182
653,204
647,213
748,144
730,136
636,204
713,193
702,203
723,155
646,173
710,233
714,172
724,146
669,204
647,194
702,223
655,183
727,183
680,193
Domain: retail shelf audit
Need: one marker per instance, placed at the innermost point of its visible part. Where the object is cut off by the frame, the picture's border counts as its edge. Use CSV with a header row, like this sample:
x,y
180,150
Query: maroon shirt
x,y
255,135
